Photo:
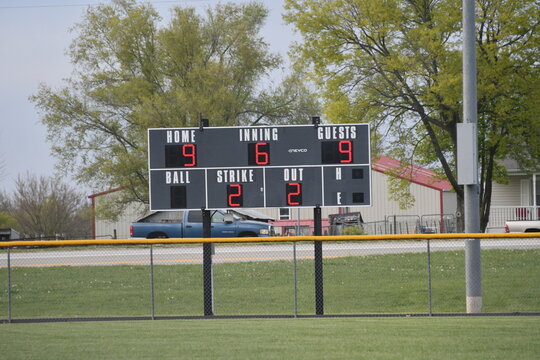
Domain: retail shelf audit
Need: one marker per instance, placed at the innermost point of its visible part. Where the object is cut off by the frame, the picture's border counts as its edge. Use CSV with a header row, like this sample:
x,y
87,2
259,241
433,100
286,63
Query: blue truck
x,y
189,225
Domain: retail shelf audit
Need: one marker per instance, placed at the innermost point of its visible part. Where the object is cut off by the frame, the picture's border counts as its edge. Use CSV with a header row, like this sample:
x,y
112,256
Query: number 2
x,y
294,193
234,195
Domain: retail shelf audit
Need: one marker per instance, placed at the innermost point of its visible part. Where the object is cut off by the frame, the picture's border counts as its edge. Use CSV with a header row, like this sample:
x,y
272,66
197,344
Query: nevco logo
x,y
297,150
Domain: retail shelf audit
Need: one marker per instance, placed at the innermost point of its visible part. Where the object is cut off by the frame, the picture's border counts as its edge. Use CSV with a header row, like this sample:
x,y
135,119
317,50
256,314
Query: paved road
x,y
238,253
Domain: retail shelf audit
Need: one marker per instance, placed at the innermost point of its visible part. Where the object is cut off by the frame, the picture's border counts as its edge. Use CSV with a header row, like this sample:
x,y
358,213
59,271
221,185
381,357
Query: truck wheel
x,y
157,235
247,234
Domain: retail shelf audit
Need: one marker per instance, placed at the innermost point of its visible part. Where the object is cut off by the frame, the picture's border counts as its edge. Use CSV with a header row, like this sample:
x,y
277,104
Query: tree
x,y
131,75
46,206
6,221
397,64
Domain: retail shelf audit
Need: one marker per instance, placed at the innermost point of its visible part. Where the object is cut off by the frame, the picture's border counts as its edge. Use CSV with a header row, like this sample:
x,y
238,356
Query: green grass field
x,y
352,285
325,338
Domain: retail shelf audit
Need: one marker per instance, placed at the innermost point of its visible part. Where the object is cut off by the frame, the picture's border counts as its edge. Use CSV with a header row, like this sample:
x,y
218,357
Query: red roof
x,y
413,173
105,192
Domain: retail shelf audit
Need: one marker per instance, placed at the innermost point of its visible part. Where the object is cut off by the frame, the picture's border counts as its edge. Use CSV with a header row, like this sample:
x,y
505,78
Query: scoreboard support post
x,y
319,293
207,265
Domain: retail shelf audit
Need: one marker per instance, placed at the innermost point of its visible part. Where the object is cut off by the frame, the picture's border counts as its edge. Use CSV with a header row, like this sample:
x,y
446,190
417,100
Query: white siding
x,y
106,228
507,194
428,201
449,202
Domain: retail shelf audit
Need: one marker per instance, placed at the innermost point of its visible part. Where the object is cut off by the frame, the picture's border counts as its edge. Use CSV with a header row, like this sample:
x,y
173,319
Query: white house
x,y
517,200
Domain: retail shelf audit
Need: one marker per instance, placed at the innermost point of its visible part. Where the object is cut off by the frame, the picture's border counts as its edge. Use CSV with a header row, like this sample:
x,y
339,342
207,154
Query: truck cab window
x,y
195,216
217,217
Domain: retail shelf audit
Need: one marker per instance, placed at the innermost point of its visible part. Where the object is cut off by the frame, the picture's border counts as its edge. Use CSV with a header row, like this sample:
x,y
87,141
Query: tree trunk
x,y
460,212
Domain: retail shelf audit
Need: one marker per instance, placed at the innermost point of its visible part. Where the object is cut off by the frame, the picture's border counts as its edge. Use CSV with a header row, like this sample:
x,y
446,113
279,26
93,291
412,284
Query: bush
x,y
353,230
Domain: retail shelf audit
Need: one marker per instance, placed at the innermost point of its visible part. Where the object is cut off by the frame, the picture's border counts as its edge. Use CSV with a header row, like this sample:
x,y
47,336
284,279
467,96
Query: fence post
x,y
295,281
429,277
152,294
9,283
319,293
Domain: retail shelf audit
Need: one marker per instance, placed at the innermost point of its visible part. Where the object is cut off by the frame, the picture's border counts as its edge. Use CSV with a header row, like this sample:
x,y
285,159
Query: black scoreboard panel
x,y
347,185
294,186
256,167
177,189
235,188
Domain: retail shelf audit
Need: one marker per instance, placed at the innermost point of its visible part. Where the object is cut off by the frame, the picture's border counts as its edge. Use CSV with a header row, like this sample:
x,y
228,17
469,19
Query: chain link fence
x,y
264,279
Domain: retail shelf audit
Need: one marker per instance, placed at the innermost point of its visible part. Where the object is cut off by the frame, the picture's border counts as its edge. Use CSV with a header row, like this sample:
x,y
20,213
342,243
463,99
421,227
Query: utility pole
x,y
468,161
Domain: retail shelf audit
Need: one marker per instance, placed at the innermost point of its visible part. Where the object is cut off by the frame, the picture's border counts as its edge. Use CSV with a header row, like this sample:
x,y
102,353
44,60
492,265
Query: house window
x,y
284,214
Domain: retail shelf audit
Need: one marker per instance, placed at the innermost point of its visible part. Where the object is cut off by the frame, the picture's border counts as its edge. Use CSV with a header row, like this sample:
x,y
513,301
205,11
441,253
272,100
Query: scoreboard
x,y
259,166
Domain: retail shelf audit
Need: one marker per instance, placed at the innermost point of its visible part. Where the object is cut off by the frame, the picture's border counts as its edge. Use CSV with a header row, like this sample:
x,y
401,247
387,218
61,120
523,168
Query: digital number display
x,y
293,192
258,153
235,195
178,197
337,152
184,155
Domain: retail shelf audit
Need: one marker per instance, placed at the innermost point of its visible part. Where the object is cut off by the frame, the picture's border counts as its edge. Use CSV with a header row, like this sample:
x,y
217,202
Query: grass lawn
x,y
352,285
322,338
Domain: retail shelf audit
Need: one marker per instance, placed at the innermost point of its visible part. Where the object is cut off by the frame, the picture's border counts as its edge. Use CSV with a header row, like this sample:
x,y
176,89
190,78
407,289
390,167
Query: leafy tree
x,y
46,206
131,75
398,65
6,221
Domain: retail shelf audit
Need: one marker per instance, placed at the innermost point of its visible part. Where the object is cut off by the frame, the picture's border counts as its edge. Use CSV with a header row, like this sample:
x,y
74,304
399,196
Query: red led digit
x,y
234,195
261,153
189,151
345,149
294,193
258,153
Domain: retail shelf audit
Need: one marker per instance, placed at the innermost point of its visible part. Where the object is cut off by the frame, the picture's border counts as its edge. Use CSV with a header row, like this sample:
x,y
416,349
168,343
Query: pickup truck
x,y
189,225
522,226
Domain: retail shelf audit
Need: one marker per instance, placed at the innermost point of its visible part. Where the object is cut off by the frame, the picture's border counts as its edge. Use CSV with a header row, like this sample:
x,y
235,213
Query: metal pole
x,y
297,232
295,282
429,278
152,294
471,192
295,268
9,283
319,293
207,265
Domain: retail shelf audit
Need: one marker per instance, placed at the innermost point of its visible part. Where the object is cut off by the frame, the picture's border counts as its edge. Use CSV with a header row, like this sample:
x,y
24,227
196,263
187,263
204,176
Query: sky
x,y
34,39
